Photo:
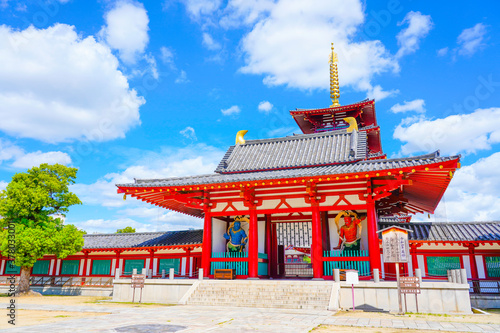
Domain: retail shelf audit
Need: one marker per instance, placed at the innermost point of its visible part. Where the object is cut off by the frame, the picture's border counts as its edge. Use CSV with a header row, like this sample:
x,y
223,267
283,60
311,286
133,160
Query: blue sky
x,y
124,89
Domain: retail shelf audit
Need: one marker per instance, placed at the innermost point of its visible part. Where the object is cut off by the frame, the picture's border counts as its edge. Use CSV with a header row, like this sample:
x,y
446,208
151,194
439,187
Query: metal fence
x,y
484,287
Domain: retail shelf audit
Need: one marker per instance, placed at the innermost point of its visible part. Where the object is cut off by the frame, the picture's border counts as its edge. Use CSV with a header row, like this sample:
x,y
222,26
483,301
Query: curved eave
x,y
429,182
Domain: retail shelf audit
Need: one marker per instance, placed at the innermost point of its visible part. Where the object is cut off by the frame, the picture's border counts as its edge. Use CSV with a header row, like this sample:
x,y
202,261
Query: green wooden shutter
x,y
493,266
10,268
70,267
131,264
101,267
41,267
166,264
439,266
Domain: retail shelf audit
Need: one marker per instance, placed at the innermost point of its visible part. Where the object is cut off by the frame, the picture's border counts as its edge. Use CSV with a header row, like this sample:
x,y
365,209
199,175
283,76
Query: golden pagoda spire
x,y
334,80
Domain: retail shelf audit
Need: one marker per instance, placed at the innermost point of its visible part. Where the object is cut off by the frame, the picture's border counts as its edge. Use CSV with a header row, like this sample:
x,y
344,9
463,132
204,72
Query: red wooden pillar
x,y
151,257
207,244
317,242
253,245
473,265
373,242
117,263
85,263
186,267
414,260
273,253
268,243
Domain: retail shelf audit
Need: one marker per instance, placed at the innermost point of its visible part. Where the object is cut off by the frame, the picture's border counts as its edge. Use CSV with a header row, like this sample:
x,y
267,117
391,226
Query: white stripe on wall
x,y
183,266
421,264
82,265
480,267
466,261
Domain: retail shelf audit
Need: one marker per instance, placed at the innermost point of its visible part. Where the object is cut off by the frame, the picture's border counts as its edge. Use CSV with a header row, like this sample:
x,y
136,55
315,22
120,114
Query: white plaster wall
x,y
190,266
146,263
82,266
155,265
480,267
51,267
89,262
262,236
421,264
58,267
466,261
382,265
410,266
2,268
183,266
218,231
113,267
121,266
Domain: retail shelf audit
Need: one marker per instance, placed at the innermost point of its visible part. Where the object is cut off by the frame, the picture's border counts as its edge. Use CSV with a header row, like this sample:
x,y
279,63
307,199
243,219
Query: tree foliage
x,y
125,230
33,204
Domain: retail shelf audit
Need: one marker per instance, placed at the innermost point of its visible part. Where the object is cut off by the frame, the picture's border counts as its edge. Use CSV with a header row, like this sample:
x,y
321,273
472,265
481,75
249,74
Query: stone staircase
x,y
289,294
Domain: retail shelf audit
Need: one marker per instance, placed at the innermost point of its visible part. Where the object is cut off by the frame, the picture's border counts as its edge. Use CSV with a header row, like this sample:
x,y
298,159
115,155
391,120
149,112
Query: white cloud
x,y
20,159
265,107
245,12
198,8
193,160
473,192
189,133
417,105
56,86
289,46
167,56
418,27
471,40
35,159
379,94
209,42
235,109
467,133
442,52
126,30
3,185
182,78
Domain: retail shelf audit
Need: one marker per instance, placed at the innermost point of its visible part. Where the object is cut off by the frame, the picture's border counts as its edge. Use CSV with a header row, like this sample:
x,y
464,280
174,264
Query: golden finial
x,y
239,137
334,80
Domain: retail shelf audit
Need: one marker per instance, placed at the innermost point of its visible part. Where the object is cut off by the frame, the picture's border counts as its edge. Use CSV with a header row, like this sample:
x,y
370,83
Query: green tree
x,y
125,230
31,210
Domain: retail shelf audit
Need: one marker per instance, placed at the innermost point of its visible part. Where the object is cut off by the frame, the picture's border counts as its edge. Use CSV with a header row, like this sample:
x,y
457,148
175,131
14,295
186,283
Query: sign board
x,y
138,281
351,277
395,245
409,285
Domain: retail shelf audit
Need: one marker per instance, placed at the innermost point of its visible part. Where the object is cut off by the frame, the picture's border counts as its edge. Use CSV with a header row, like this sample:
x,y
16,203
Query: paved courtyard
x,y
221,319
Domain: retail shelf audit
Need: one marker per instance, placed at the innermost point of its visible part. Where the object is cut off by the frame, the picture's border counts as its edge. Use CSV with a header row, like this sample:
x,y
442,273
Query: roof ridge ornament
x,y
334,80
239,137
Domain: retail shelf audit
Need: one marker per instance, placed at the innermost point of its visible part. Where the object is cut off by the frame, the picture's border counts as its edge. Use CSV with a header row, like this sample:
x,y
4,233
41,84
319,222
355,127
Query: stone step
x,y
265,305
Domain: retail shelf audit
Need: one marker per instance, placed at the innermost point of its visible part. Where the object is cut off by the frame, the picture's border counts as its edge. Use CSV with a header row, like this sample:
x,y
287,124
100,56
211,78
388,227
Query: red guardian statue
x,y
350,232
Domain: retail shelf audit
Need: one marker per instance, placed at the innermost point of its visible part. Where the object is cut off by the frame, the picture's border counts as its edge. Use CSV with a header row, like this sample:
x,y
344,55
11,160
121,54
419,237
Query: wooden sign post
x,y
395,250
137,282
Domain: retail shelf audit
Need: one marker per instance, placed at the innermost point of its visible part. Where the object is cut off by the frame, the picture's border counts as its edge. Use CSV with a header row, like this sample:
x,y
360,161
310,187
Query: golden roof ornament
x,y
334,80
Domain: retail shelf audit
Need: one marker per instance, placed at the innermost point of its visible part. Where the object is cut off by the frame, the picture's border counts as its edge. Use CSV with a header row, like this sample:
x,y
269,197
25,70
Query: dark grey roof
x,y
302,150
450,231
361,166
142,239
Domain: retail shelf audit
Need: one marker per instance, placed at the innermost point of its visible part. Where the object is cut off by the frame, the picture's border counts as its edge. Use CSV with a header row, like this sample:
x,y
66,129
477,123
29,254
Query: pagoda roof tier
x,y
327,119
450,231
297,151
311,119
428,177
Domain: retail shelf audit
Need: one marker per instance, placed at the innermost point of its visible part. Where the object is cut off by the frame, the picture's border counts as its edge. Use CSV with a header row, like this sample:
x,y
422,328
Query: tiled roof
x,y
302,150
361,166
450,231
142,239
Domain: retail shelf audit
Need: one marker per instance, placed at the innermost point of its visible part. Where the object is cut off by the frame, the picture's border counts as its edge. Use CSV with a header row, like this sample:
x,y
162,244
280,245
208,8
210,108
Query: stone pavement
x,y
191,318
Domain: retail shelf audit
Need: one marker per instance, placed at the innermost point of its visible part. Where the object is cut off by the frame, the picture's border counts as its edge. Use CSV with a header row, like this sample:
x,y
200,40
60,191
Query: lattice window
x,y
439,266
493,266
101,267
41,267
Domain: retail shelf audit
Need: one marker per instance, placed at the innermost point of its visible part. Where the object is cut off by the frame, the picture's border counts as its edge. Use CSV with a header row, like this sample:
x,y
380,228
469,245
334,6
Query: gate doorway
x,y
293,250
